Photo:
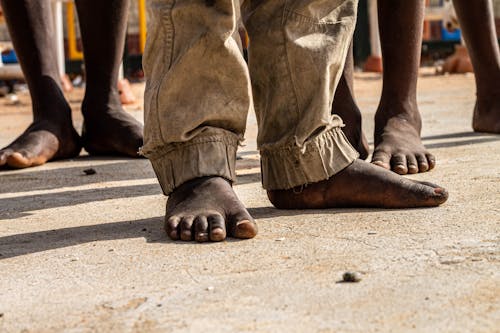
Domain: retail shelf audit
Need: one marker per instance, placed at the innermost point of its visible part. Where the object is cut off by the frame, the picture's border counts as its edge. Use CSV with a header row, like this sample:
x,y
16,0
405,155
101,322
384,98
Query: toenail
x,y
217,231
438,190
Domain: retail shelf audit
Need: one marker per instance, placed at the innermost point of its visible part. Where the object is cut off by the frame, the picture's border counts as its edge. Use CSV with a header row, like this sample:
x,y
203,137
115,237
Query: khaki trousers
x,y
199,88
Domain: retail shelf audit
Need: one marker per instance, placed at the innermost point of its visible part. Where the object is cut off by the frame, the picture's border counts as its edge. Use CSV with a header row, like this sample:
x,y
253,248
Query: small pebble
x,y
210,288
280,239
351,277
89,172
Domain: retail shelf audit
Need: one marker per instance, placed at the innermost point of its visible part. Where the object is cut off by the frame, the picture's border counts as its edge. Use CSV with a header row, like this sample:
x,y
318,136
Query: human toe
x,y
200,227
433,192
3,156
217,228
18,160
399,164
381,159
185,228
171,227
423,164
243,226
412,164
431,160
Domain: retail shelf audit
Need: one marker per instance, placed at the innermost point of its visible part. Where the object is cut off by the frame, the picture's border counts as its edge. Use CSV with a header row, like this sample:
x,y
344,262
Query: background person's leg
x,y
398,146
51,135
344,104
478,27
108,129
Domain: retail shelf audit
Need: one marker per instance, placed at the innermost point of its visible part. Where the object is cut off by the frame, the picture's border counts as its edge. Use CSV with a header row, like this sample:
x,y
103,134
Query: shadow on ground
x,y
151,229
36,179
475,138
33,179
16,245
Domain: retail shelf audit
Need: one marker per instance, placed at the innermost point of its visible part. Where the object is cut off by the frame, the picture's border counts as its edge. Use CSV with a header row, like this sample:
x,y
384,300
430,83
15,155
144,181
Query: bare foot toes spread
x,y
487,115
398,147
41,142
112,133
207,209
361,184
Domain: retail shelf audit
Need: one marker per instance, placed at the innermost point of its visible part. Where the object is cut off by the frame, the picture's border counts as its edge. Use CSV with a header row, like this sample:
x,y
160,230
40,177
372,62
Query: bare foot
x,y
42,141
459,62
207,209
126,93
361,185
487,115
112,133
398,146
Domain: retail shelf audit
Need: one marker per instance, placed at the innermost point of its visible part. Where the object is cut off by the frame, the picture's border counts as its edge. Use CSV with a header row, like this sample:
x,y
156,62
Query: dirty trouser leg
x,y
197,90
297,54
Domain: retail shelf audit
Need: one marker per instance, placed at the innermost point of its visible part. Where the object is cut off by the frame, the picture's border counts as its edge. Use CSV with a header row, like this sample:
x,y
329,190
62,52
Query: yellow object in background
x,y
74,53
142,24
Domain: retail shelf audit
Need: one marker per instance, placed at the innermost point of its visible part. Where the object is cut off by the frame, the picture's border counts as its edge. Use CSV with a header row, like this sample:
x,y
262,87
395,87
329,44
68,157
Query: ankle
x,y
58,114
95,106
406,109
488,93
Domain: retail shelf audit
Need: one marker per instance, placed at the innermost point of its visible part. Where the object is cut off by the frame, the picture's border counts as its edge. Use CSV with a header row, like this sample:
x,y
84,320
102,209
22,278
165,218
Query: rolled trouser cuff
x,y
175,164
320,158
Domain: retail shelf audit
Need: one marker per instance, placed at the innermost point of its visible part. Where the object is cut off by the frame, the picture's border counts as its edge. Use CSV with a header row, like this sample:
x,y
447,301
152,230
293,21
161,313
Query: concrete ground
x,y
85,253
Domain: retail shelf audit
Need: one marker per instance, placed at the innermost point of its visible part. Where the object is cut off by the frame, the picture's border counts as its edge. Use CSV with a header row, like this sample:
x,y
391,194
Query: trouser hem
x,y
175,164
320,158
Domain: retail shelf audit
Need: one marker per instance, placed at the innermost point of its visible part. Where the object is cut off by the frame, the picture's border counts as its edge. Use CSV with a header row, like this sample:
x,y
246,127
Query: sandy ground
x,y
88,253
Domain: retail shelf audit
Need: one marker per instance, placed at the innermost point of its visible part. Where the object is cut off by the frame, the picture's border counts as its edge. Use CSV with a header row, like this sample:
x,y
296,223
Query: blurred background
x,y
440,37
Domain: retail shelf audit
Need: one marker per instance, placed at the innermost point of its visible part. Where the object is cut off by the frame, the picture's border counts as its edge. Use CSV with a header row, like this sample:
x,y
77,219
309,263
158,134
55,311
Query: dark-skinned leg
x,y
345,106
306,163
108,129
51,135
398,146
478,26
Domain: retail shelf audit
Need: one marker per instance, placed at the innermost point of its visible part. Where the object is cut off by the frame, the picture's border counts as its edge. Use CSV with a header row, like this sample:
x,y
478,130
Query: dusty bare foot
x,y
111,132
487,115
126,93
361,184
459,62
398,146
42,141
66,84
207,209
